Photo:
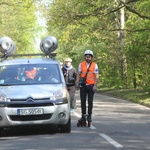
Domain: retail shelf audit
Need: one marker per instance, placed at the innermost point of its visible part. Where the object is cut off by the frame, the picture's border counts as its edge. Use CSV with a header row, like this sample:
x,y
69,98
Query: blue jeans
x,y
85,91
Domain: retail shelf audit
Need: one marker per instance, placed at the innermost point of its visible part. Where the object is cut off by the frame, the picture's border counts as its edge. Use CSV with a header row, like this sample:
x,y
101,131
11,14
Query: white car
x,y
33,90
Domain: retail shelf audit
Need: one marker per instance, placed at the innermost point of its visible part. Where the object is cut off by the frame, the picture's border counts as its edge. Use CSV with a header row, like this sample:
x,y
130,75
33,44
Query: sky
x,y
41,20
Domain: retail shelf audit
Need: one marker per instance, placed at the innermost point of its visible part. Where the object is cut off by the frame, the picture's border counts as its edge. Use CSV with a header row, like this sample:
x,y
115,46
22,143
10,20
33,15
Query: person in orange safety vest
x,y
30,74
87,79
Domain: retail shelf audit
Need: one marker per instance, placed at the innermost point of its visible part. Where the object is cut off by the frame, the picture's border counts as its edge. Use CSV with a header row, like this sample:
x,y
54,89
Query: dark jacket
x,y
70,76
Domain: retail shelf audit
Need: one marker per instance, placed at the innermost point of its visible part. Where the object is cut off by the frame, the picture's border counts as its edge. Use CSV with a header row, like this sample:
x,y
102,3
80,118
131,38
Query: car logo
x,y
30,99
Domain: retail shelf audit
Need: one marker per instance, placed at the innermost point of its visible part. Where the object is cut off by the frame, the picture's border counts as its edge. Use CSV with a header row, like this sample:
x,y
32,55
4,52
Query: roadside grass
x,y
134,95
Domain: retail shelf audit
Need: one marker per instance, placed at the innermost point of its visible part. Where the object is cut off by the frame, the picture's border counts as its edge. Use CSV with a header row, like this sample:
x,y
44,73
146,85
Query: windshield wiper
x,y
4,84
9,84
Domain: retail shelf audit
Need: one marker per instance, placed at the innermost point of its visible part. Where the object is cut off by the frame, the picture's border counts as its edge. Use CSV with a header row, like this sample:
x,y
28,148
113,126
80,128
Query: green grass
x,y
137,96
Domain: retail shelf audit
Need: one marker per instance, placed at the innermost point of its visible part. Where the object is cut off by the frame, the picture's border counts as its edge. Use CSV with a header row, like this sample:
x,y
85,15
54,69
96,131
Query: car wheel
x,y
67,127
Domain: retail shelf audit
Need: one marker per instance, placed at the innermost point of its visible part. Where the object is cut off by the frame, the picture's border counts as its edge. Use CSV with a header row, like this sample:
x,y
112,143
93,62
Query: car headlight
x,y
2,97
59,97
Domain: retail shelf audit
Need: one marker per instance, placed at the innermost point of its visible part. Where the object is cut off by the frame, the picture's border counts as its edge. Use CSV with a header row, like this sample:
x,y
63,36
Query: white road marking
x,y
106,137
110,140
79,116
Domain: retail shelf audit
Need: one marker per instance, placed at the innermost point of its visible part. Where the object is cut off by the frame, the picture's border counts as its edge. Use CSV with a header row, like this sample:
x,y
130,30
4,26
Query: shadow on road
x,y
30,130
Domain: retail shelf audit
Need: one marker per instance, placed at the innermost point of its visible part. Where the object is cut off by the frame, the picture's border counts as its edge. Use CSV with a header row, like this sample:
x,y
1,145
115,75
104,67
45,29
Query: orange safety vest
x,y
90,79
31,74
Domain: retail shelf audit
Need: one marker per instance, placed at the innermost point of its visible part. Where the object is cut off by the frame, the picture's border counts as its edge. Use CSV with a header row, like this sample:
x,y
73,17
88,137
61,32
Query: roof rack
x,y
47,46
51,55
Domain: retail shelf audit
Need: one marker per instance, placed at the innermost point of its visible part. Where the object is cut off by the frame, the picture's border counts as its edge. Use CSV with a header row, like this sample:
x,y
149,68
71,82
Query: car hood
x,y
34,91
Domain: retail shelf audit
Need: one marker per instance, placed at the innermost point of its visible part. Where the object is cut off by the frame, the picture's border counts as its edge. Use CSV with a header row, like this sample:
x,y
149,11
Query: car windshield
x,y
29,74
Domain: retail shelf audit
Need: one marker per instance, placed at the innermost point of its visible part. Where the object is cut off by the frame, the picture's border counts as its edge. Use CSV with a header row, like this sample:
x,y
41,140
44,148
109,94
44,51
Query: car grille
x,y
22,100
30,117
31,103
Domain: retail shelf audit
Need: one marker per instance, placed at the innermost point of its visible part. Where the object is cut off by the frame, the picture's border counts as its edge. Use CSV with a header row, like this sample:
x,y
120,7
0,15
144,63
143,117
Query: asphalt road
x,y
117,125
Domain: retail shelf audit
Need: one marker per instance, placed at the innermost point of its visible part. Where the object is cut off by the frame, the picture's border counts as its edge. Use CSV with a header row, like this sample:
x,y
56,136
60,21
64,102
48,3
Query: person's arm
x,y
96,78
77,79
96,81
78,75
74,74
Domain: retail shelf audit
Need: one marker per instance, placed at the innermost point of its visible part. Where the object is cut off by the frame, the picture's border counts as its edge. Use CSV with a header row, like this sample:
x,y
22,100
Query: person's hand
x,y
77,86
94,88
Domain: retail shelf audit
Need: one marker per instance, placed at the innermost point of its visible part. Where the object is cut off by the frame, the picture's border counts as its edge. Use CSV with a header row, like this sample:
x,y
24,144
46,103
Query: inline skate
x,y
89,120
82,122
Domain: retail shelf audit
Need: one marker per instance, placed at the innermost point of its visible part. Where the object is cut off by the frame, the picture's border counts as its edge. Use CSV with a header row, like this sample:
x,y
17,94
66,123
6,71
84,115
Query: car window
x,y
30,74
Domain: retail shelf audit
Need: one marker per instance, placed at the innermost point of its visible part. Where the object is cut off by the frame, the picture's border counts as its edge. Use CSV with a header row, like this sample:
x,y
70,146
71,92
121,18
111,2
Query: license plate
x,y
37,111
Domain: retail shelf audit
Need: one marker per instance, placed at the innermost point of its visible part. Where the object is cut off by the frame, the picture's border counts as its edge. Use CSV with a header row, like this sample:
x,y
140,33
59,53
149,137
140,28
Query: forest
x,y
117,31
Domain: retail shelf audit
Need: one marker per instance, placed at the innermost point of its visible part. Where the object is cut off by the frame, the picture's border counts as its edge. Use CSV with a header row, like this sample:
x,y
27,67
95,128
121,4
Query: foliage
x,y
121,49
96,25
137,46
18,21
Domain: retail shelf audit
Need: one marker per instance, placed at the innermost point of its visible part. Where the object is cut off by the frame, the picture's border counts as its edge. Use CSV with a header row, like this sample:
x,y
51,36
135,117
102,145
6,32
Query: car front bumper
x,y
53,115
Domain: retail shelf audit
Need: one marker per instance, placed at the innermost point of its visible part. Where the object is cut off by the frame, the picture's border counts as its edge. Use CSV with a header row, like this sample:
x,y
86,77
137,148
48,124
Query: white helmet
x,y
88,52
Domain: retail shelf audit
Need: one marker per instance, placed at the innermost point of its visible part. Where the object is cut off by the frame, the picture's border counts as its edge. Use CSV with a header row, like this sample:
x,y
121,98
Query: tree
x,y
18,21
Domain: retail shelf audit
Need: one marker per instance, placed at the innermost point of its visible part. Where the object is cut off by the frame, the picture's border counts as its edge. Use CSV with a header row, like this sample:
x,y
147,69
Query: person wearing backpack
x,y
70,74
87,79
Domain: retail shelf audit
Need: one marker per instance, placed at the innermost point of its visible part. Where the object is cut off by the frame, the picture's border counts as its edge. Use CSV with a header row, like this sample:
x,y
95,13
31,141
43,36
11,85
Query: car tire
x,y
67,127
